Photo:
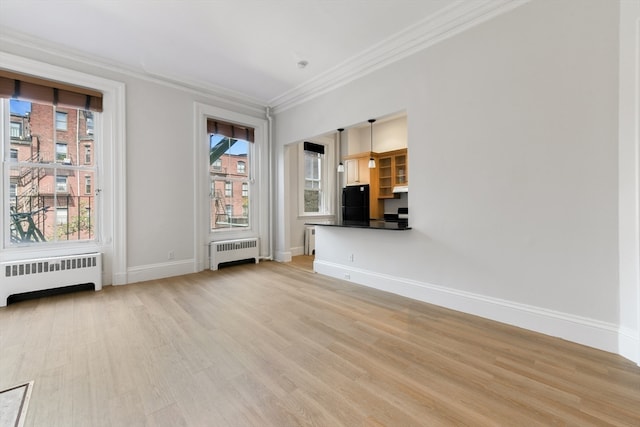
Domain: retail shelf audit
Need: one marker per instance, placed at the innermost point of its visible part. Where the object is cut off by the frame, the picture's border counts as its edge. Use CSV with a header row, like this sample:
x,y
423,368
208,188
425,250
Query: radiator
x,y
233,250
40,274
310,241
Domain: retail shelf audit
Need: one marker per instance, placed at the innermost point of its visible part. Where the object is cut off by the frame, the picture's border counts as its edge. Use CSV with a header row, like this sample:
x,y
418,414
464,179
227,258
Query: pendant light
x,y
340,165
372,161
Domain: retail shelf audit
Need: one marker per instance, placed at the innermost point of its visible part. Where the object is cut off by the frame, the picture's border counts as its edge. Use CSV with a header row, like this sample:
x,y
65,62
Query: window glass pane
x,y
62,215
46,188
88,122
87,184
16,130
313,195
61,120
61,152
229,177
13,192
311,201
87,154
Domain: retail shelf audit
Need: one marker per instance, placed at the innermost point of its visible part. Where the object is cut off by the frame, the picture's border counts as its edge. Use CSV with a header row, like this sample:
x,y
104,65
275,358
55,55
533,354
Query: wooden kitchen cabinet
x,y
357,170
392,172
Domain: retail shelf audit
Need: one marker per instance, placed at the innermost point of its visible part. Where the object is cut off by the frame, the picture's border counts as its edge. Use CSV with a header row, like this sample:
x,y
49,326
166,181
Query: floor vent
x,y
232,251
29,276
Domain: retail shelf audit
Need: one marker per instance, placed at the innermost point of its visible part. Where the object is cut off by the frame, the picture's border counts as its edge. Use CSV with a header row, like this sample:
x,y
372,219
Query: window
x,y
16,130
87,184
62,215
43,183
252,216
13,193
314,183
87,154
229,159
61,120
61,184
35,195
89,122
61,152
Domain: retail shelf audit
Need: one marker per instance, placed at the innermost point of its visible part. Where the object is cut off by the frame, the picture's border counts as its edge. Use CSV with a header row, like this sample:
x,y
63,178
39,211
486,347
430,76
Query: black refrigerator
x,y
355,203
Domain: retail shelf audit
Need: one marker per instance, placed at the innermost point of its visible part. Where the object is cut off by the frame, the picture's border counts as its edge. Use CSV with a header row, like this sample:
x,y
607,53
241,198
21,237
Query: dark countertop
x,y
372,225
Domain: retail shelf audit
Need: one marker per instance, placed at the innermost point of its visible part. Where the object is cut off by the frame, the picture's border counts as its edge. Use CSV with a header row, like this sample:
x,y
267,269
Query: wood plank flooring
x,y
271,345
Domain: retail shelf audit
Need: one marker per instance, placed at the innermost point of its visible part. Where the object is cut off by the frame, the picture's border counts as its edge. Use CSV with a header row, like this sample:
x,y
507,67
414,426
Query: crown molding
x,y
29,43
447,22
459,16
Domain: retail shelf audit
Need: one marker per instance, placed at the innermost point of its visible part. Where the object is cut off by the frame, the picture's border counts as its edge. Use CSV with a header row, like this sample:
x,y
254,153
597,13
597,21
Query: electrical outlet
x,y
347,276
171,255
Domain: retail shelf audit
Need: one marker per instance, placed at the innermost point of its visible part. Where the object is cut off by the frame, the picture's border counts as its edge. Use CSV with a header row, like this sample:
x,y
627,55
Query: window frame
x,y
258,173
58,123
20,127
327,179
59,210
111,142
241,170
58,152
62,184
87,154
88,185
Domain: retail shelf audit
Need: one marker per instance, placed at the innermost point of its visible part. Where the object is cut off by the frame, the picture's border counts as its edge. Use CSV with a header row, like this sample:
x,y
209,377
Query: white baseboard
x,y
160,271
629,346
593,333
298,250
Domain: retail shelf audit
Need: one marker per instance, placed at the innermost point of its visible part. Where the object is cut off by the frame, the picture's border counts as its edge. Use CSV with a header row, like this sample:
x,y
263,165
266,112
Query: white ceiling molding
x,y
223,95
447,22
454,19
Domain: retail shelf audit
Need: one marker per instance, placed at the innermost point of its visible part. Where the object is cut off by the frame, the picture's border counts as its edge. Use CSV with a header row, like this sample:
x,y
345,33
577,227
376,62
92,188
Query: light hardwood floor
x,y
271,345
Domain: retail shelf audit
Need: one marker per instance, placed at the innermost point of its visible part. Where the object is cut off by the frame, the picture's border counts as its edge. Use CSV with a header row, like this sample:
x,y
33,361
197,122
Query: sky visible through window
x,y
20,107
240,147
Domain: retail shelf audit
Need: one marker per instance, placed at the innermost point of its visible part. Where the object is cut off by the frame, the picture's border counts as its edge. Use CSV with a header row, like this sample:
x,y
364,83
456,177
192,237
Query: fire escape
x,y
28,209
220,202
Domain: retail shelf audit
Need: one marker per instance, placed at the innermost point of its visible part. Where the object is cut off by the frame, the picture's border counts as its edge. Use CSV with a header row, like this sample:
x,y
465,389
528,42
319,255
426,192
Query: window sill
x,y
50,249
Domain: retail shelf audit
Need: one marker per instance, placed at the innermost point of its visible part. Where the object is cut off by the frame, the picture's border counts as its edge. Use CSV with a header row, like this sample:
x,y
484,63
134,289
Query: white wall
x,y
512,130
160,123
388,135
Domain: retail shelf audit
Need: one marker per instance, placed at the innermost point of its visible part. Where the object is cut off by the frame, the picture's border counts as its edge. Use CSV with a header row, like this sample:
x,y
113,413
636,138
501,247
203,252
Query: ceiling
x,y
247,48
